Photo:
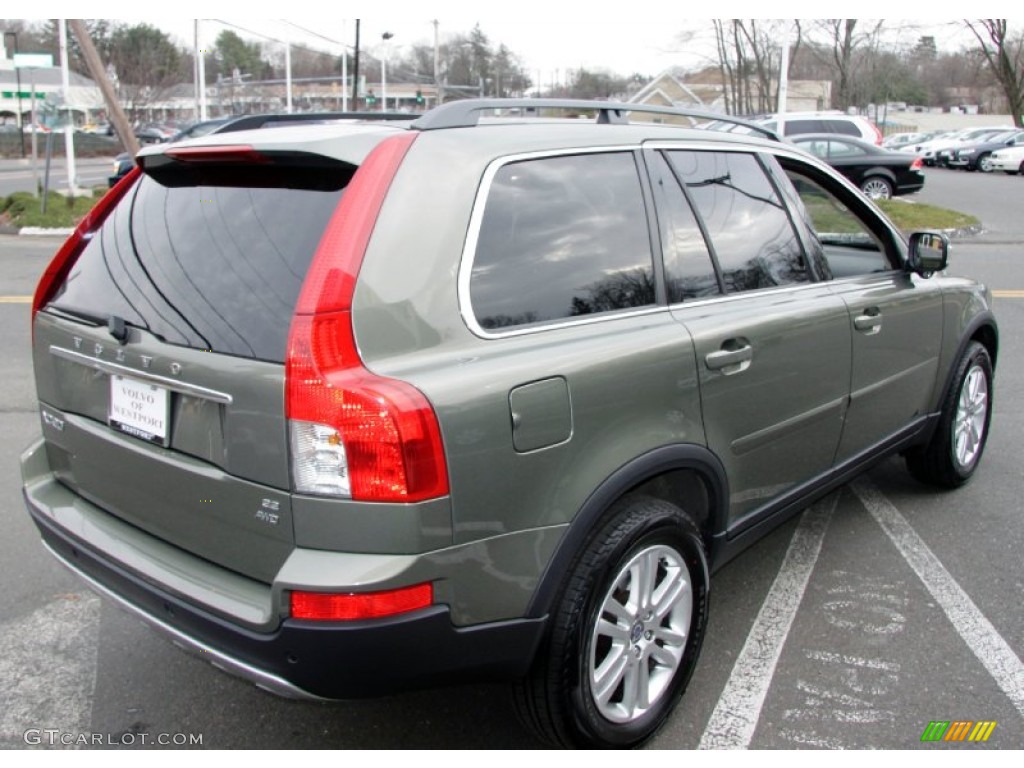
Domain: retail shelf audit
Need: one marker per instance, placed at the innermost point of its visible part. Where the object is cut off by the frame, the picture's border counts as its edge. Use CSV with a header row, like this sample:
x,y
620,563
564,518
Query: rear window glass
x,y
215,267
562,237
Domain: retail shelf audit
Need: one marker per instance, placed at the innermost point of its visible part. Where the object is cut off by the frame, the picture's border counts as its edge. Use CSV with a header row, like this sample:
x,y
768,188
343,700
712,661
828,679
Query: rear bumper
x,y
297,659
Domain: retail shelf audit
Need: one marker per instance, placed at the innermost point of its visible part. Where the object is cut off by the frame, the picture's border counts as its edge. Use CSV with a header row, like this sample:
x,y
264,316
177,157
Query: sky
x,y
645,36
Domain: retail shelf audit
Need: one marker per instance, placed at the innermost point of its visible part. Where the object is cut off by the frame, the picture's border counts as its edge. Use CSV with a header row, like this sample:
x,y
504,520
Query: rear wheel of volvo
x,y
627,631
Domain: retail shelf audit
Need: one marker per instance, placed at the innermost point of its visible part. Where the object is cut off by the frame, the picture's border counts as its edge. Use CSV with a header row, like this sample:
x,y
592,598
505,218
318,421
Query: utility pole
x,y
69,127
438,85
99,74
783,79
355,72
344,70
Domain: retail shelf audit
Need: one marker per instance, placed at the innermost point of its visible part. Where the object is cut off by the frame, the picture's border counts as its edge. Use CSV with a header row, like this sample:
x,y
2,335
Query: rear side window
x,y
842,126
211,266
794,127
750,232
562,237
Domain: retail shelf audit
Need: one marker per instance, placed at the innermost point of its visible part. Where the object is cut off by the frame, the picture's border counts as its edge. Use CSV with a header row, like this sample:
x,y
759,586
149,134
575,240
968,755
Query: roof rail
x,y
249,122
466,113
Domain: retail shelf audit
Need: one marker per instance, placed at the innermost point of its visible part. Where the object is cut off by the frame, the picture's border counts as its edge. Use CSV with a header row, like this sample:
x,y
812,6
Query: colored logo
x,y
958,730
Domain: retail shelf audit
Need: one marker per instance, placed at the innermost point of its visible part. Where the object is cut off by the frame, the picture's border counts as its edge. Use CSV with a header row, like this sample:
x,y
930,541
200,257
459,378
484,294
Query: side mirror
x,y
928,253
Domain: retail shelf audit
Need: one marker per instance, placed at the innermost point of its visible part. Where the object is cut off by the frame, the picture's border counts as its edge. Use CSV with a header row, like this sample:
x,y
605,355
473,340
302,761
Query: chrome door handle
x,y
738,359
868,323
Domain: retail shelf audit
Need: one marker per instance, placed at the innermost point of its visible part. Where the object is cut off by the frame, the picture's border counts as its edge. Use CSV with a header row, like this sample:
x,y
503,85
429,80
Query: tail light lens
x,y
917,165
354,434
65,259
878,135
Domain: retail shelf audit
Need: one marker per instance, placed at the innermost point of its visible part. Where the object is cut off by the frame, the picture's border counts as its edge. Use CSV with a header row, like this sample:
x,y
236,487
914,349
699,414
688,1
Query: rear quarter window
x,y
562,237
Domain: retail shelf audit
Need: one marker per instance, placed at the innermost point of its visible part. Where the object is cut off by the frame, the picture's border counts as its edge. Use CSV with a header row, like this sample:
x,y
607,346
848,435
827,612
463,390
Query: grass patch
x,y
22,209
911,217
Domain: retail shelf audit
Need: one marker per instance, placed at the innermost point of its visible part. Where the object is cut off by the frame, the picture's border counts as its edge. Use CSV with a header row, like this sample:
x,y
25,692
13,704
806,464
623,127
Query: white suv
x,y
824,122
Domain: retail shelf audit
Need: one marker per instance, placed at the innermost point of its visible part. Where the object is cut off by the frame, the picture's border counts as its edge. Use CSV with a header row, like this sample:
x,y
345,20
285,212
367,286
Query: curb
x,y
45,232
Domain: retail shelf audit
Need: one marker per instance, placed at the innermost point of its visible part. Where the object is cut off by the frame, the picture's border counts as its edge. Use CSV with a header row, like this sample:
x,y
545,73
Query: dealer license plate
x,y
139,409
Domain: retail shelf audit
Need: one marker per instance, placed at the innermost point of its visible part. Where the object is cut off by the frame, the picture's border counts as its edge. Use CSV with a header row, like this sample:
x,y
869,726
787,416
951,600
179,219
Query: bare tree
x,y
846,39
1004,52
749,57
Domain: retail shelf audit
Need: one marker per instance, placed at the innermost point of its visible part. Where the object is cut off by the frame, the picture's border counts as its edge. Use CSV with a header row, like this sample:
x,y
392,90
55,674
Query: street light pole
x,y
384,72
17,77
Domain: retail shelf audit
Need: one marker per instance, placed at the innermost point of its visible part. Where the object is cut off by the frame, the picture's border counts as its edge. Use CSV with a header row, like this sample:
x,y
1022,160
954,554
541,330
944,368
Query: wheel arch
x,y
689,476
982,329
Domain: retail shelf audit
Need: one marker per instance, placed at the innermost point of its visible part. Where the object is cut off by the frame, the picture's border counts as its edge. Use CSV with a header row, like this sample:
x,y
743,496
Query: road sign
x,y
32,60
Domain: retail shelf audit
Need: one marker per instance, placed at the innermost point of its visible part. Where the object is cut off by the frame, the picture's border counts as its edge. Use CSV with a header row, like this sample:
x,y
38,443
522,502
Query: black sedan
x,y
878,172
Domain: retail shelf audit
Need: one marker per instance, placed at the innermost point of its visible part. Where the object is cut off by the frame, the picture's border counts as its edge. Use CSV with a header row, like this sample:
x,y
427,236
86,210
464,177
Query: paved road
x,y
17,175
882,608
995,198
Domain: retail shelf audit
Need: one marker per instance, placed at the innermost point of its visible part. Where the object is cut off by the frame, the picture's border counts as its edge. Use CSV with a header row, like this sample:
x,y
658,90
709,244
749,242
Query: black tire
x,y
657,650
954,451
984,163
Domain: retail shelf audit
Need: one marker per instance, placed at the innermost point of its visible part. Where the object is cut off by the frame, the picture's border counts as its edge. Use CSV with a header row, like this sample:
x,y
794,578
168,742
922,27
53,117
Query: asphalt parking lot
x,y
882,609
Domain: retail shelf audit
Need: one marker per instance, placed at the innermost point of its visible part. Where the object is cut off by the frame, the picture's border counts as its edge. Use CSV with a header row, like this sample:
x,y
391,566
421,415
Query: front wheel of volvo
x,y
627,631
951,457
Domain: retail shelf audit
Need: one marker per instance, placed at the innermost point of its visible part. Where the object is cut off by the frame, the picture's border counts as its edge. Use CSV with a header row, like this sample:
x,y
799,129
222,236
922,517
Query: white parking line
x,y
977,631
734,720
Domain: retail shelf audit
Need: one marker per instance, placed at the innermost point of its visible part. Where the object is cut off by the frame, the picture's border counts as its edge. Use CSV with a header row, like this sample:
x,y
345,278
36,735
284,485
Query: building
x,y
707,91
84,98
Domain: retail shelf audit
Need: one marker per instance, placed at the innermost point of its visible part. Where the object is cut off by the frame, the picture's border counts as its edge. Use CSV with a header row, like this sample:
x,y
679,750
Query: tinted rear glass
x,y
208,267
562,237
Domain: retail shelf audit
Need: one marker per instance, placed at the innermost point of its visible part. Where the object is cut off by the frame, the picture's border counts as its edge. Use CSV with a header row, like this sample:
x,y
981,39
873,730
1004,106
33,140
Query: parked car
x,y
897,140
807,122
879,173
356,408
976,156
799,123
937,151
1009,160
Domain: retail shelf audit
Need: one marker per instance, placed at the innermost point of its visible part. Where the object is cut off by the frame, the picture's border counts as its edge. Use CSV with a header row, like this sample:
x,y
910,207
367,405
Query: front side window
x,y
562,237
845,239
746,223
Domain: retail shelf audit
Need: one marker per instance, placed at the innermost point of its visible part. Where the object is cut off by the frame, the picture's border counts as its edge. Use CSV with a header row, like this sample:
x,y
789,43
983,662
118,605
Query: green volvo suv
x,y
357,406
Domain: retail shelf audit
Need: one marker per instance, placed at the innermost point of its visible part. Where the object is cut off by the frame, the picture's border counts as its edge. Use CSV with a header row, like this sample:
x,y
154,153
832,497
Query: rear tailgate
x,y
159,361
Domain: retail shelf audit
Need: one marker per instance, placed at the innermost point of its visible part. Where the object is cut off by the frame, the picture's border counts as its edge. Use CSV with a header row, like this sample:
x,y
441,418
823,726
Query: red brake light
x,y
230,153
353,433
878,135
917,165
323,606
62,263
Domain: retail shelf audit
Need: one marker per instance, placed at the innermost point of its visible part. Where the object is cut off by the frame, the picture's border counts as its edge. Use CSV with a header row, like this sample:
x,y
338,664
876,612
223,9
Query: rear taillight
x,y
917,165
878,134
66,257
354,434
